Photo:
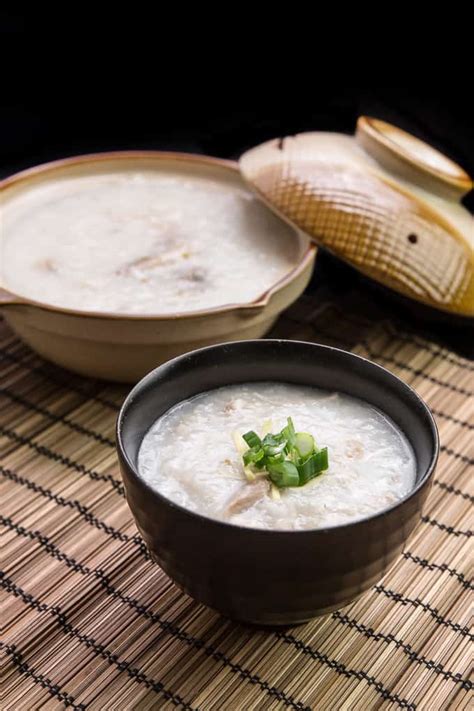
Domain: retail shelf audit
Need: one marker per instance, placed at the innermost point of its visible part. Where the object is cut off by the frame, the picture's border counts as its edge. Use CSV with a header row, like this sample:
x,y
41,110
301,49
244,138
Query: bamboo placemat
x,y
91,623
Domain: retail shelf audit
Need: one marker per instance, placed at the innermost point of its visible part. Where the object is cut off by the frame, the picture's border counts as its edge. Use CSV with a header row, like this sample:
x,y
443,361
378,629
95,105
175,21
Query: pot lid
x,y
381,200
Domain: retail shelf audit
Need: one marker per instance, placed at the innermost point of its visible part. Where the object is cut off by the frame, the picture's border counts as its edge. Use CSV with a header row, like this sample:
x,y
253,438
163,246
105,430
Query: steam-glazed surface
x,y
142,242
189,456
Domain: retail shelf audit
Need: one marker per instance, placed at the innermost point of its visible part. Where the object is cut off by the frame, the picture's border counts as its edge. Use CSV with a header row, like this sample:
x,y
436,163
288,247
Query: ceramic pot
x,y
124,347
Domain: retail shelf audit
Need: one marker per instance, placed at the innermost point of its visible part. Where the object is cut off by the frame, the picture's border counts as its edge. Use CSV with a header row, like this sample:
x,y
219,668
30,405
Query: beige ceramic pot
x,y
381,200
124,347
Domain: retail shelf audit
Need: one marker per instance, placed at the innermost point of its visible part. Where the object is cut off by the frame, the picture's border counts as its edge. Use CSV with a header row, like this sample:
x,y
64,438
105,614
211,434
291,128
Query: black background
x,y
46,116
43,124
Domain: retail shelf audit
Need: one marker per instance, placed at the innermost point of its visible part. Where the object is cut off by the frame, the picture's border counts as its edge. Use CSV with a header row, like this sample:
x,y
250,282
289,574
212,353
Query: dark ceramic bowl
x,y
261,576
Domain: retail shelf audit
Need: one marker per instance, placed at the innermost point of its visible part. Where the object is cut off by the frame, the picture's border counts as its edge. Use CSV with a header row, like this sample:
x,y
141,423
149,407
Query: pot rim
x,y
13,299
223,525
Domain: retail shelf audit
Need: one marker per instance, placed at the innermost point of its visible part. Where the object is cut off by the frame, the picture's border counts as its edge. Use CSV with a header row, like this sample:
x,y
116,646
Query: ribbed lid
x,y
382,200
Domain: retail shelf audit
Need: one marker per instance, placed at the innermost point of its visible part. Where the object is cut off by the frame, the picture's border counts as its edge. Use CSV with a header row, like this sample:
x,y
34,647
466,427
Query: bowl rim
x,y
48,168
136,390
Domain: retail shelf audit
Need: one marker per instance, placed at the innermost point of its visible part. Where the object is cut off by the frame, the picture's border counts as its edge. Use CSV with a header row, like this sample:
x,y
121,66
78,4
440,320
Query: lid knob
x,y
412,159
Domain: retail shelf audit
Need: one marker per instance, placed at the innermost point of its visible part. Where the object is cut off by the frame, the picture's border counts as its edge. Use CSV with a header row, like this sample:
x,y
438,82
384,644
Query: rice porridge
x,y
144,242
194,456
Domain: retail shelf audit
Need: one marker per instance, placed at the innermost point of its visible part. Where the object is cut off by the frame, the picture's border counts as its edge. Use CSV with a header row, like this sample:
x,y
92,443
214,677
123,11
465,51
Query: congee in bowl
x,y
275,480
278,456
113,263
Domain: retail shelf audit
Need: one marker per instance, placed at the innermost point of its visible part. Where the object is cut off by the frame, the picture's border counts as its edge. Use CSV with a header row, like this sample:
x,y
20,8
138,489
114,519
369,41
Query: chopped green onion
x,y
284,474
289,434
275,459
252,439
304,443
251,456
272,440
290,458
312,467
291,427
271,451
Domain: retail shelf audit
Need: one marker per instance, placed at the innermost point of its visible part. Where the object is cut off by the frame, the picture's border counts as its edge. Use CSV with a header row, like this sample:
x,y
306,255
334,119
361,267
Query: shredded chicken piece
x,y
354,449
142,266
150,262
247,496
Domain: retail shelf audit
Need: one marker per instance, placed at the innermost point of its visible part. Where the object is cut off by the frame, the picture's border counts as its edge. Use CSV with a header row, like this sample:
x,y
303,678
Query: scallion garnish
x,y
284,474
252,439
290,458
313,466
304,444
253,455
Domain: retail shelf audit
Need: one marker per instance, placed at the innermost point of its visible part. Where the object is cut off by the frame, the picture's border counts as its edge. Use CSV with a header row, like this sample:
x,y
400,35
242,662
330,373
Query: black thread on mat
x,y
142,611
452,490
413,656
447,529
425,345
99,649
180,634
61,458
53,689
442,567
125,538
374,355
59,419
398,597
41,372
450,418
341,669
457,455
391,330
83,510
415,371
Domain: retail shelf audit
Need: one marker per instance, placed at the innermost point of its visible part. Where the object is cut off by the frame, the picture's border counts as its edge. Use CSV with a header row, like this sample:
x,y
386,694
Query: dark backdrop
x,y
48,120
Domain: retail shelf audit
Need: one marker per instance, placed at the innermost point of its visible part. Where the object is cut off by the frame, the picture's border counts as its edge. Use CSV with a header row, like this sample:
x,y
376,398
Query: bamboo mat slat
x,y
89,622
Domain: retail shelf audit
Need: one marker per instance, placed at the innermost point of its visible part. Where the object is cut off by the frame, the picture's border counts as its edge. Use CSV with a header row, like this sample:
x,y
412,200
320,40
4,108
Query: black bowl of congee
x,y
273,480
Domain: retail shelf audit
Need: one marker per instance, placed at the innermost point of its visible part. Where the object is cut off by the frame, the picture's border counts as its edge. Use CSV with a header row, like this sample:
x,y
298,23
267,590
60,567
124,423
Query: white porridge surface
x,y
189,456
144,242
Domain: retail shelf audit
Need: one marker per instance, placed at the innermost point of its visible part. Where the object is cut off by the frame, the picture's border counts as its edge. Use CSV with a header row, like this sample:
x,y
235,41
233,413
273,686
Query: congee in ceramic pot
x,y
115,262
